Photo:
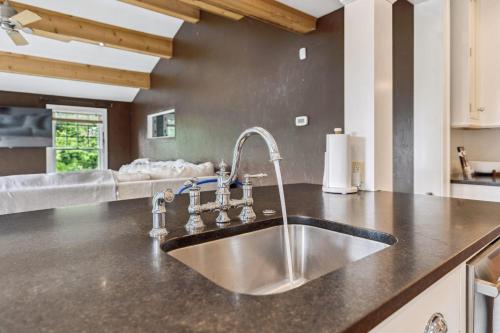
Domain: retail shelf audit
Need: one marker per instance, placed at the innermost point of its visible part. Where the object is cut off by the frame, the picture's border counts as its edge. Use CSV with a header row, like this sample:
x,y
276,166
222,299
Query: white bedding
x,y
145,189
43,191
168,169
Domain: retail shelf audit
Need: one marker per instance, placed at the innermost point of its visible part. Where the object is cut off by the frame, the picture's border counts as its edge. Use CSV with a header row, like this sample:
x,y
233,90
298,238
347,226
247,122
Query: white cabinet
x,y
464,112
475,69
476,192
447,297
487,64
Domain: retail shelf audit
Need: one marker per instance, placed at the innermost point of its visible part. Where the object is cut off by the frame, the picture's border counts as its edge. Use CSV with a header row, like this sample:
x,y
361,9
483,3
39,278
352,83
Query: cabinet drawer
x,y
447,296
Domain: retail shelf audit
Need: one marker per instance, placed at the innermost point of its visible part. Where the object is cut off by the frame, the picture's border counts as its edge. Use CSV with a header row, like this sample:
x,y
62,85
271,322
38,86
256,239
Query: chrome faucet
x,y
223,202
274,154
160,200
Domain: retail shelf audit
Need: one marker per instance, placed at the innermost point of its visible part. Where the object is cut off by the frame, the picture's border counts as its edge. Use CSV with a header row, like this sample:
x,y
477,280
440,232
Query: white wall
x,y
432,97
383,96
368,88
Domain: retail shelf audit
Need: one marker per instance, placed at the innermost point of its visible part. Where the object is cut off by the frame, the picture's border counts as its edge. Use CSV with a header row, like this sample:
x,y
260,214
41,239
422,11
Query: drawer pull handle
x,y
436,324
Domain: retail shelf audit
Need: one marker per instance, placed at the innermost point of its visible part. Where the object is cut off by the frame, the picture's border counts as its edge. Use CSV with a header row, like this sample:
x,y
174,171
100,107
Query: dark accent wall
x,y
403,96
227,76
32,160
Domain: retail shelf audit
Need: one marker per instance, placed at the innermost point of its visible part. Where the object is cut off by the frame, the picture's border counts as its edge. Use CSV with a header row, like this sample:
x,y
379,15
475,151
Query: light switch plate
x,y
301,121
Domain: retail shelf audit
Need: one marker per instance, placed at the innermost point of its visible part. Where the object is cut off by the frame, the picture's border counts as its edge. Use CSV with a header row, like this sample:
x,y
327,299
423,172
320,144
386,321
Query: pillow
x,y
166,173
141,161
139,165
168,169
125,177
182,170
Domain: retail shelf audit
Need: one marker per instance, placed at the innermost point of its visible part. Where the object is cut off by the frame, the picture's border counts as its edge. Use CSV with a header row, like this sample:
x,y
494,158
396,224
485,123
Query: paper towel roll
x,y
338,169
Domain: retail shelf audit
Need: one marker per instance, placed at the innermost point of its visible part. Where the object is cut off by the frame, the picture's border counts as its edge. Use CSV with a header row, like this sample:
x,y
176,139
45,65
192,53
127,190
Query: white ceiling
x,y
115,13
316,8
57,87
107,11
82,53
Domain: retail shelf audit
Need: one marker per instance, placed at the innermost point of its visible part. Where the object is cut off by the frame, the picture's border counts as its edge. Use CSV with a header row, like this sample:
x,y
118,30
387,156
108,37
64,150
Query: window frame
x,y
102,112
149,122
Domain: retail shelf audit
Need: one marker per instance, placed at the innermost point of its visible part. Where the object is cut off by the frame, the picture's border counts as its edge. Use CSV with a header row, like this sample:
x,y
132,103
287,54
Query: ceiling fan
x,y
13,22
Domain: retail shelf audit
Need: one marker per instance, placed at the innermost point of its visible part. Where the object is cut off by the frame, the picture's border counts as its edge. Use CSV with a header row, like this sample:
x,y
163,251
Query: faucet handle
x,y
223,166
160,198
192,182
247,177
159,210
169,195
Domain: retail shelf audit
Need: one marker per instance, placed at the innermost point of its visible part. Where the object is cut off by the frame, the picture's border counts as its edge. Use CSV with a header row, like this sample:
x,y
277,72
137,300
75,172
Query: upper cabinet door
x,y
488,63
464,112
475,68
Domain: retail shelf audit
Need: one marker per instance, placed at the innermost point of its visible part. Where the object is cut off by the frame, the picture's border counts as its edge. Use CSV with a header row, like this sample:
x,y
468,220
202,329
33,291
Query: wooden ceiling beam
x,y
268,11
67,27
174,8
203,5
36,66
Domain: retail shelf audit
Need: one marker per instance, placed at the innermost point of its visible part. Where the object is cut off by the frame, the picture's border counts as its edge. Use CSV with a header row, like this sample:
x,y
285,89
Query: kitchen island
x,y
94,268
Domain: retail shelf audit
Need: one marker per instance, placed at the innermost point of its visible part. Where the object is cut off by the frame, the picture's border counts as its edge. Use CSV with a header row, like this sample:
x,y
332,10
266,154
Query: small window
x,y
161,125
79,139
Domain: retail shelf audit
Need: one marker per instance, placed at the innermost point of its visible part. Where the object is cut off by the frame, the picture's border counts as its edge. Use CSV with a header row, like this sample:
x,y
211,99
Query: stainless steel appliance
x,y
483,283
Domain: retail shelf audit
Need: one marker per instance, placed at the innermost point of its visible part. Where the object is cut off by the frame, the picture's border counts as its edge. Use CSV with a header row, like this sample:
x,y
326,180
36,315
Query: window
x,y
161,125
79,139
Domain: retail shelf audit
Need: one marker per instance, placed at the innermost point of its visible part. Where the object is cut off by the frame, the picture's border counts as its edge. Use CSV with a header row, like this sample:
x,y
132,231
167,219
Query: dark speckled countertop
x,y
485,180
94,268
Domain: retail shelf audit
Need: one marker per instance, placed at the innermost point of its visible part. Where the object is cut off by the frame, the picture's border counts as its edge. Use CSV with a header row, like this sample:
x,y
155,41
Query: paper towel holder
x,y
337,176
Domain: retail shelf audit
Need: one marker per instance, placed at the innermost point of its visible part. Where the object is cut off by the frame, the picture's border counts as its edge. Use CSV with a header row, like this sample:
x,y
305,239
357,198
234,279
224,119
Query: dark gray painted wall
x,y
403,96
227,76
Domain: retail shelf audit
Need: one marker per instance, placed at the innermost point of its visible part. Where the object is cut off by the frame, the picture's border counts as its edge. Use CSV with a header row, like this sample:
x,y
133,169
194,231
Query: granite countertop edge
x,y
481,180
377,316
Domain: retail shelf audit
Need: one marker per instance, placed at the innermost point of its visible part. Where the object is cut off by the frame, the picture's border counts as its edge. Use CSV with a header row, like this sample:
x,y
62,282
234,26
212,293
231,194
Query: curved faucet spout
x,y
274,153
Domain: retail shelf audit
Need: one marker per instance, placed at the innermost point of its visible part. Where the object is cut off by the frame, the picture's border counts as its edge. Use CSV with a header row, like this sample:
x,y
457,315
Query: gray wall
x,y
403,96
227,76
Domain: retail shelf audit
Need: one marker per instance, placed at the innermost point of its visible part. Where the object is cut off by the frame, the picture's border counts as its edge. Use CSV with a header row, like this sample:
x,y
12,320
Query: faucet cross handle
x,y
223,166
247,177
195,222
192,182
247,213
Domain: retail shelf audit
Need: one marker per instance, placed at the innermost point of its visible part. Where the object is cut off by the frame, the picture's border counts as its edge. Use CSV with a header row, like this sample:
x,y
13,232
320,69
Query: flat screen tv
x,y
25,127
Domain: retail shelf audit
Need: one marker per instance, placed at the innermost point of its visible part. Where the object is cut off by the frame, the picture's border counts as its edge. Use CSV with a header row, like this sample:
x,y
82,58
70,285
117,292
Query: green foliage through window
x,y
77,145
77,160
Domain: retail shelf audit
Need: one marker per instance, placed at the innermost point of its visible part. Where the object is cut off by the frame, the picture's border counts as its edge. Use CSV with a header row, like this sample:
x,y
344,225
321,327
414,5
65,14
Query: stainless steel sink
x,y
255,262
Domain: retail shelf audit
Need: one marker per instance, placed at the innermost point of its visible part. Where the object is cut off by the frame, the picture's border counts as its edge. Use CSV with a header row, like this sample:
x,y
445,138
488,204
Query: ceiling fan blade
x,y
17,38
50,35
25,17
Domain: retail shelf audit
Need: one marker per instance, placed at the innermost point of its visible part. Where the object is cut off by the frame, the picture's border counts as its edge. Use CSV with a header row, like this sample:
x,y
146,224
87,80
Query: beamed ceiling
x,y
106,49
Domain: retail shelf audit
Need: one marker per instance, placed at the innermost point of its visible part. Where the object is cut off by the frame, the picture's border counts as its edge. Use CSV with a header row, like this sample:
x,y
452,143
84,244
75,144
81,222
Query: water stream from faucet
x,y
288,250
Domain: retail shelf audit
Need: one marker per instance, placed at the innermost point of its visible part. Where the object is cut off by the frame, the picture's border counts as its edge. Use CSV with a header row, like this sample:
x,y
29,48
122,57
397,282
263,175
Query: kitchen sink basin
x,y
255,262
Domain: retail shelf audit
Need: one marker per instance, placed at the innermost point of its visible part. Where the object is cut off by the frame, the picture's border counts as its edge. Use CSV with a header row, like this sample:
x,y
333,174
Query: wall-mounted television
x,y
25,127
